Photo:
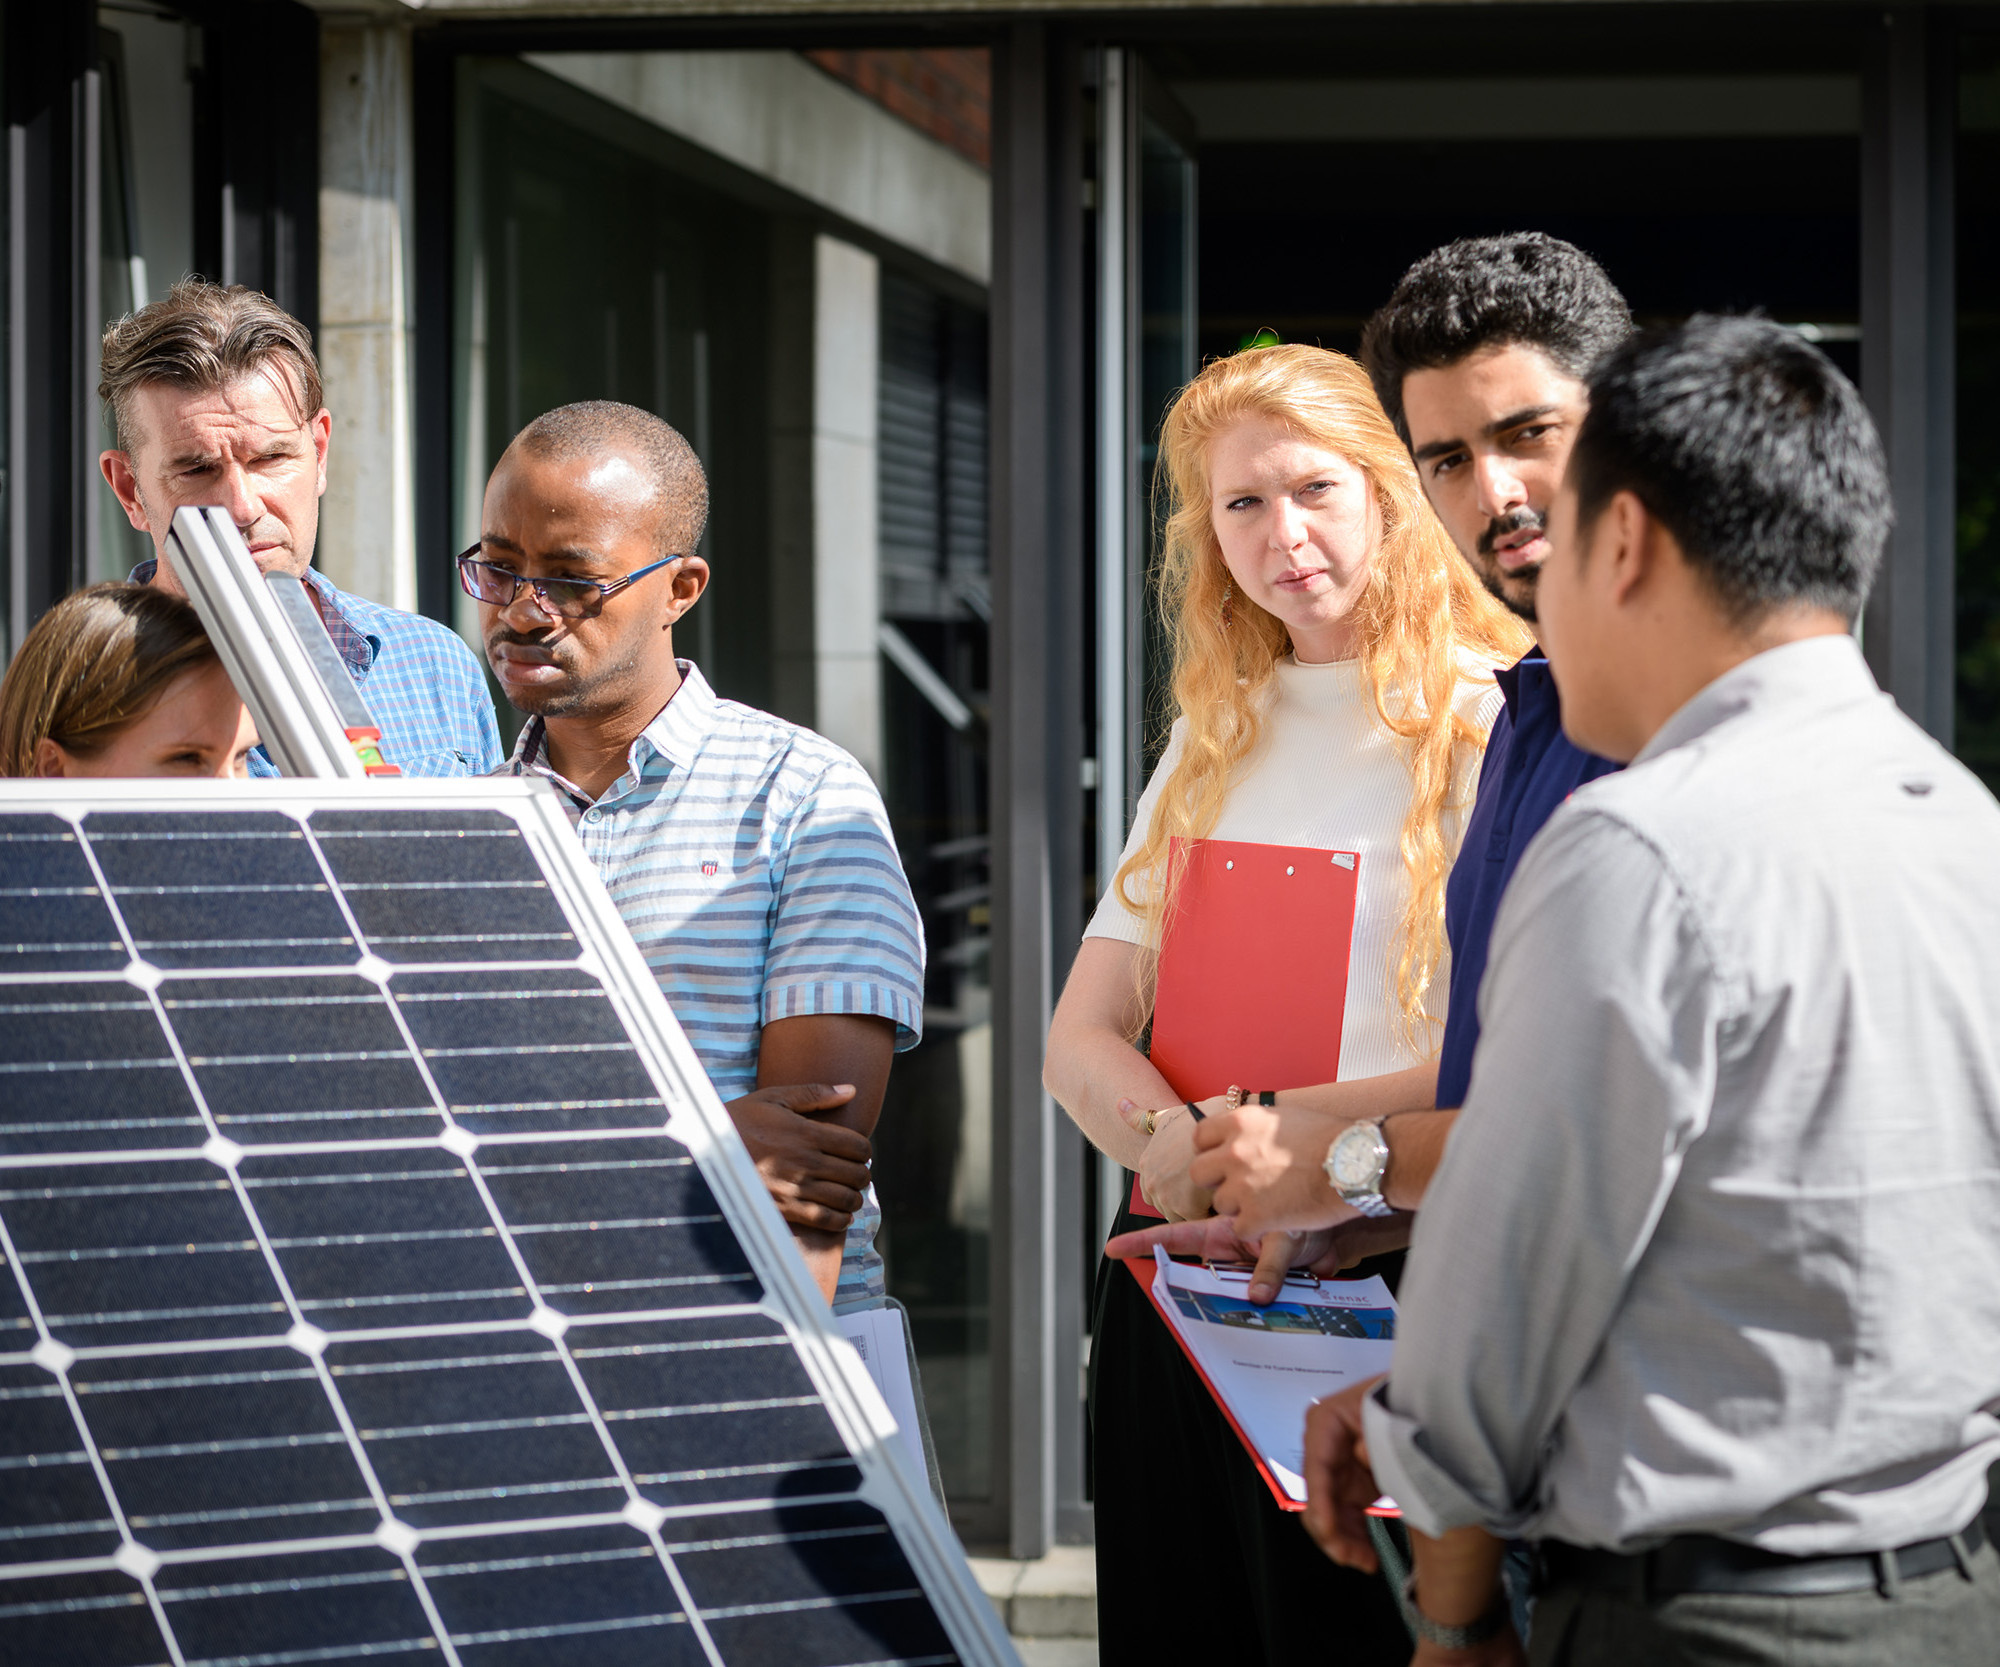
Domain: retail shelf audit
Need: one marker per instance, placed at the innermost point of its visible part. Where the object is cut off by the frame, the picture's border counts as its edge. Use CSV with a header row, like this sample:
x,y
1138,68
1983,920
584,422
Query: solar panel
x,y
383,1278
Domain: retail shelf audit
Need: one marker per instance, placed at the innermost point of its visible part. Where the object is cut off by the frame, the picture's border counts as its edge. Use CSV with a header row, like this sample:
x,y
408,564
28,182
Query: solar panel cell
x,y
53,916
300,1059
476,1429
220,890
500,1085
423,890
132,1253
51,1507
591,1597
87,1067
606,1226
82,1620
702,1418
383,1237
223,1447
342,1605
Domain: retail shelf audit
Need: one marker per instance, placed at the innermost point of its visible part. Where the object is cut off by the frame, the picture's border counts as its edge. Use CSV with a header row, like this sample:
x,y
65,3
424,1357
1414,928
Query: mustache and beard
x,y
583,688
1520,599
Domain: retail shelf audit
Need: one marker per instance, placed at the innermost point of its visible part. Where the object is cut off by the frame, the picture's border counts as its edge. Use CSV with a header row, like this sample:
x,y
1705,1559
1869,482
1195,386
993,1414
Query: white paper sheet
x,y
879,1338
1270,1364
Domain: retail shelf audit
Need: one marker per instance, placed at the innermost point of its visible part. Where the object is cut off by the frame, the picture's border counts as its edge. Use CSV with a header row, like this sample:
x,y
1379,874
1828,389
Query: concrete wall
x,y
367,528
825,559
847,664
776,115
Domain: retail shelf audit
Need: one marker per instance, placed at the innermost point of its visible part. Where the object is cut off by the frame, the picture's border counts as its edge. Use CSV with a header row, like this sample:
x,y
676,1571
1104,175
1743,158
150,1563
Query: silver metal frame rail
x,y
310,717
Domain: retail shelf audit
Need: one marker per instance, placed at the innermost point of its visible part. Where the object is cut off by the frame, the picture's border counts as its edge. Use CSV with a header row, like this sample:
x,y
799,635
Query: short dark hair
x,y
1522,289
1752,449
592,427
202,337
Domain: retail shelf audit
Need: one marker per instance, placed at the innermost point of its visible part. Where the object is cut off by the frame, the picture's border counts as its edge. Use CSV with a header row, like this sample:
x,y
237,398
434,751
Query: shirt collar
x,y
684,722
1821,672
676,735
1509,677
357,648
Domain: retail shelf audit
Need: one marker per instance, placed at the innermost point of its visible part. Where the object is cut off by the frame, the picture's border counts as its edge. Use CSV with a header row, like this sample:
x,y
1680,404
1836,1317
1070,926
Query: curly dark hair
x,y
1522,288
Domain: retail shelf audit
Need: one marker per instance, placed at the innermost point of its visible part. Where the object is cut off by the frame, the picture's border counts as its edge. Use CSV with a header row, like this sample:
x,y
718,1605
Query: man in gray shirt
x,y
1705,1295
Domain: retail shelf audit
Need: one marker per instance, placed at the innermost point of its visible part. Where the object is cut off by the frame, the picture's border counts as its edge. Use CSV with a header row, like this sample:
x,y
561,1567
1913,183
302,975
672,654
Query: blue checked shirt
x,y
753,862
423,686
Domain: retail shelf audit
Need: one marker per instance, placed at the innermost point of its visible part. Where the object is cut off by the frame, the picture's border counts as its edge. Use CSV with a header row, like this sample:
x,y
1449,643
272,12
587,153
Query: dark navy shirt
x,y
1530,768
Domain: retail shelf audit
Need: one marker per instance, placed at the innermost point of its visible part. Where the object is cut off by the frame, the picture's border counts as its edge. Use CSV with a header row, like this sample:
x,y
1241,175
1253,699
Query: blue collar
x,y
1533,665
356,647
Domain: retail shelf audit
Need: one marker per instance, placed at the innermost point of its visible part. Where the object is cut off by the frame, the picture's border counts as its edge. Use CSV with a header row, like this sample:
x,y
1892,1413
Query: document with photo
x,y
1267,1364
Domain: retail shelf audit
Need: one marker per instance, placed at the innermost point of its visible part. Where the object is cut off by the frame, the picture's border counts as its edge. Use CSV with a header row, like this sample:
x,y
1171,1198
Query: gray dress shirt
x,y
1715,1247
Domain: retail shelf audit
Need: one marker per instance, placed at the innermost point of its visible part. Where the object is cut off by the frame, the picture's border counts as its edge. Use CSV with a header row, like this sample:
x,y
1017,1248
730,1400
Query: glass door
x,y
1146,332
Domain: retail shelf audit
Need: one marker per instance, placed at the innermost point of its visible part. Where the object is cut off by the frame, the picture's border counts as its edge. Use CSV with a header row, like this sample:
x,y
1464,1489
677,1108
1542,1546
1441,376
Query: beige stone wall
x,y
774,114
847,664
367,537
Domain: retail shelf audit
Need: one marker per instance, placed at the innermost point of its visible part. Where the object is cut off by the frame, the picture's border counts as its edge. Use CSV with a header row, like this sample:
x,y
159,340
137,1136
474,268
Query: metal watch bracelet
x,y
1445,1637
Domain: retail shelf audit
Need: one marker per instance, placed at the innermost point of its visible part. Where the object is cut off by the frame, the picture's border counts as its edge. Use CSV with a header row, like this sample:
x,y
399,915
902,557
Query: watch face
x,y
1355,1162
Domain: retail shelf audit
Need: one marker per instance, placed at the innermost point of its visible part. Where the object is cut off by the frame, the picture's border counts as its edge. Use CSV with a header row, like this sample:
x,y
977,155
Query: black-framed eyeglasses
x,y
563,598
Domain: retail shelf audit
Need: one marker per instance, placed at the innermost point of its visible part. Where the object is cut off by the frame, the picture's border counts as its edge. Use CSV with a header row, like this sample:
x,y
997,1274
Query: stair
x,y
1049,1605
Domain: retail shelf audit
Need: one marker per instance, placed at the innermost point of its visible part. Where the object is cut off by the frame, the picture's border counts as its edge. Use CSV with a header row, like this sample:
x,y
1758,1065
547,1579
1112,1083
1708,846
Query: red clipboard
x,y
1252,986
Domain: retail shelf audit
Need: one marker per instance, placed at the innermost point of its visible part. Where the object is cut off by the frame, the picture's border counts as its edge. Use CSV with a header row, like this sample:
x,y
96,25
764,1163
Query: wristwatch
x,y
1445,1637
1355,1164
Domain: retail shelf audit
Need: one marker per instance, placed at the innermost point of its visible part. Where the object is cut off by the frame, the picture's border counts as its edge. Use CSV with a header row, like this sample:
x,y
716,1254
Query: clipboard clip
x,y
1243,1271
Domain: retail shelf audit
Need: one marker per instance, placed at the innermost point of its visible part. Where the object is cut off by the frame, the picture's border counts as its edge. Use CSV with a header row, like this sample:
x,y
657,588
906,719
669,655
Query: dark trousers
x,y
1195,1560
1942,1620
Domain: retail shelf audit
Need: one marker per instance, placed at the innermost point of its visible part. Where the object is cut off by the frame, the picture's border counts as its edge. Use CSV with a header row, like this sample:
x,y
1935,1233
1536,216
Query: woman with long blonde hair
x,y
1332,661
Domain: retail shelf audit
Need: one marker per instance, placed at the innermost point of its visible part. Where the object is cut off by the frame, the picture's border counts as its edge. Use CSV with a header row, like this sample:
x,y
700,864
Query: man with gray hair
x,y
215,397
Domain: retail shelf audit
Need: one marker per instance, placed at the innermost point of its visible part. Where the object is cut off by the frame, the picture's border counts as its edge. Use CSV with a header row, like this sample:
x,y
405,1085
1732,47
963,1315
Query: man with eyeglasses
x,y
751,858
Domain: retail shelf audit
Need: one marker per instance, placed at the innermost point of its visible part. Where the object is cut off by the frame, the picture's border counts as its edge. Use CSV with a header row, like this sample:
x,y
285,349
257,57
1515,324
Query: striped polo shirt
x,y
753,863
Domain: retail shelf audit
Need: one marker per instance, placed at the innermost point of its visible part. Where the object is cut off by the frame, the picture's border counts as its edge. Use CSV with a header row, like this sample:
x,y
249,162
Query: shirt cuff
x,y
878,1001
1431,1500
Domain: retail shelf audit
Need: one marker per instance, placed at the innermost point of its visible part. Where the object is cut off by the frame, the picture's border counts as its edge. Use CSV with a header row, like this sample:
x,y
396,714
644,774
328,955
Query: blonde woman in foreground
x,y
1332,679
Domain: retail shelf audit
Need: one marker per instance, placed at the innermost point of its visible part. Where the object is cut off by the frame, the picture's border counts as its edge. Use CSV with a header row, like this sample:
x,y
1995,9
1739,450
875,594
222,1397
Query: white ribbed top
x,y
1327,774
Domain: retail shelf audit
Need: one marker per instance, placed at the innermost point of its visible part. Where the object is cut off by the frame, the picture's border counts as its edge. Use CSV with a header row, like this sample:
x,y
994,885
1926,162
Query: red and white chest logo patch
x,y
710,868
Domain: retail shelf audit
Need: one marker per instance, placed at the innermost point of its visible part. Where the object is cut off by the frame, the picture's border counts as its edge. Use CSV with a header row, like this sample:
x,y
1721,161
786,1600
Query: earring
x,y
1228,602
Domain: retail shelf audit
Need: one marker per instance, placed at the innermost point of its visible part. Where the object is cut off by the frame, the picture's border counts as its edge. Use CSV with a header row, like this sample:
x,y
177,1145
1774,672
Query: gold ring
x,y
1148,1121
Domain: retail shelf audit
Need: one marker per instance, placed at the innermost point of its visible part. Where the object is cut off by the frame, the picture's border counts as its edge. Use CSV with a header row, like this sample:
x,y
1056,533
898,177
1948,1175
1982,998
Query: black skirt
x,y
1195,1560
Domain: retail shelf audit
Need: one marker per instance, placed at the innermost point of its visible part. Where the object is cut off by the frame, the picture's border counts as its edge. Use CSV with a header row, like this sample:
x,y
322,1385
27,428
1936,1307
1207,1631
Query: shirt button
x,y
593,816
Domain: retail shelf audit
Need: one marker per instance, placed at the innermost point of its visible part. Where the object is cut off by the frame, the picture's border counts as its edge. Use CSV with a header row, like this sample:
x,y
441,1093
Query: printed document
x,y
879,1338
1267,1365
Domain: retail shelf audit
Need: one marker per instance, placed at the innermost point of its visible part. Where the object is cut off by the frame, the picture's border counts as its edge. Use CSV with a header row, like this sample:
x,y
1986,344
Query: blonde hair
x,y
1420,619
95,663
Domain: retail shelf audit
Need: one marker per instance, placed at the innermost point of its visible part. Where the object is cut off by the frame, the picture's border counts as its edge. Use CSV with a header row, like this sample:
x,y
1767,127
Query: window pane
x,y
1978,625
